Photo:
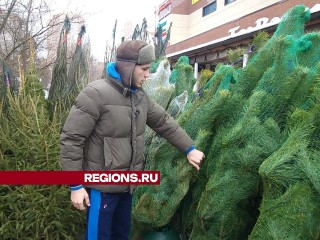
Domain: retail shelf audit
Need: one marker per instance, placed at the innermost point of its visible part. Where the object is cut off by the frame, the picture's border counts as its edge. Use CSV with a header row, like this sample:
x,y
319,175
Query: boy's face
x,y
140,75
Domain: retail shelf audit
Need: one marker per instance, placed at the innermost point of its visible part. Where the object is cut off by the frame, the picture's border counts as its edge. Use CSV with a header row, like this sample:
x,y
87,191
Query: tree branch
x,y
5,19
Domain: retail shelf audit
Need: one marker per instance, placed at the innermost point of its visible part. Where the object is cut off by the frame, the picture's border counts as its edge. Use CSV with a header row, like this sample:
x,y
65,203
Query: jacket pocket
x,y
117,153
107,152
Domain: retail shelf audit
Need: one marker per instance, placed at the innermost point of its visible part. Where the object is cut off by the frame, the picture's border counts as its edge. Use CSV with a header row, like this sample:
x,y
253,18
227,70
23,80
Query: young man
x,y
104,131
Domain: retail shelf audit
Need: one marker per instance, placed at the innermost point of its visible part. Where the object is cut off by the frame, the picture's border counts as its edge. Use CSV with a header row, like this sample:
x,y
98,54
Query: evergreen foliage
x,y
259,129
8,82
30,141
77,75
205,75
158,86
154,65
161,91
67,81
160,43
183,76
59,89
260,39
235,54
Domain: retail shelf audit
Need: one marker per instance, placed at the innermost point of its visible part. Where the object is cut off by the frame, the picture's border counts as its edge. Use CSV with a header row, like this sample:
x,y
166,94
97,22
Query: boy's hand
x,y
78,197
195,157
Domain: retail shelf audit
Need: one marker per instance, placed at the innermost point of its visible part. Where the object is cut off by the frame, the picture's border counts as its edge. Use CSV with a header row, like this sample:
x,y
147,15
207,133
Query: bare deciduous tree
x,y
24,23
6,15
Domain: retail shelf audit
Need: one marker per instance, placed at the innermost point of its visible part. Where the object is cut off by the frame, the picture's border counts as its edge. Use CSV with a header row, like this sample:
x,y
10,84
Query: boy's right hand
x,y
78,197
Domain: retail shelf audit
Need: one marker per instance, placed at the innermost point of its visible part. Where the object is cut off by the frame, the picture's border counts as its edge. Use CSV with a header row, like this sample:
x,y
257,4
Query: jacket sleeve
x,y
163,124
78,127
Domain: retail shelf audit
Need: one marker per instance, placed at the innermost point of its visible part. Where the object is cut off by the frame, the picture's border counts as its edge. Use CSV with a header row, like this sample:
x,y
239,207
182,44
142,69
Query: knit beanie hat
x,y
130,53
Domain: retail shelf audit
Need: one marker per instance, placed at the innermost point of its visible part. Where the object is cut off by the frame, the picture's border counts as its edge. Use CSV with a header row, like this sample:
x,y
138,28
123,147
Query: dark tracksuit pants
x,y
109,216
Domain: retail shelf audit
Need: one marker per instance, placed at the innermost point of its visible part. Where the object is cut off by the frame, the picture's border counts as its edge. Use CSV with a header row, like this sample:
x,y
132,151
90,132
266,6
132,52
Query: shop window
x,y
226,2
209,9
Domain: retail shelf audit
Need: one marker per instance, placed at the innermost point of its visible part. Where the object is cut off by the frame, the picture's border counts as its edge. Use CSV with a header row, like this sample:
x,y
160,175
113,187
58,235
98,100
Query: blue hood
x,y
111,70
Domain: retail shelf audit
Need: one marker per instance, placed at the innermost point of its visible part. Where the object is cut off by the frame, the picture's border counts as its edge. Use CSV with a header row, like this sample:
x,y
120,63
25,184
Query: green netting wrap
x,y
277,92
223,78
259,128
308,49
292,24
182,76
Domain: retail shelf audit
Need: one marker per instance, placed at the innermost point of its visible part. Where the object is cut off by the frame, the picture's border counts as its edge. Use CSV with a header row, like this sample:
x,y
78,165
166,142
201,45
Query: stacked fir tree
x,y
259,128
30,128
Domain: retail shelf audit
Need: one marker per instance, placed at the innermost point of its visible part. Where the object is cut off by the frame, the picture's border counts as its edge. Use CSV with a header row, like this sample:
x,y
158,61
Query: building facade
x,y
204,30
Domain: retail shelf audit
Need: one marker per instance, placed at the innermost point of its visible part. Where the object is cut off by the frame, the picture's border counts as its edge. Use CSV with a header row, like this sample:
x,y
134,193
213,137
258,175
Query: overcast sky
x,y
100,16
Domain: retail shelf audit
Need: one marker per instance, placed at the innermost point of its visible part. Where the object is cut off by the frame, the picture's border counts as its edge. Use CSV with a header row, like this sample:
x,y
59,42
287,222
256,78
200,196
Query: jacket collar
x,y
118,86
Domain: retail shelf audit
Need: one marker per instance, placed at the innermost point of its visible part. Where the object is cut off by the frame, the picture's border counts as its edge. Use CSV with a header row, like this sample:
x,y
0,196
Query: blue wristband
x,y
73,188
190,149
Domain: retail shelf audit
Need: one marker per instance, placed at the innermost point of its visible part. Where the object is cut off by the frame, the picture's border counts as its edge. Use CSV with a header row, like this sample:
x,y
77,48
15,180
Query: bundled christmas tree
x,y
77,73
58,93
182,76
160,90
258,127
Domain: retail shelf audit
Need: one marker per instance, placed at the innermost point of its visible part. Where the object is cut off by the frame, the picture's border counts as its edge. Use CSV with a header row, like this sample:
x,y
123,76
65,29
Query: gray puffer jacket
x,y
105,130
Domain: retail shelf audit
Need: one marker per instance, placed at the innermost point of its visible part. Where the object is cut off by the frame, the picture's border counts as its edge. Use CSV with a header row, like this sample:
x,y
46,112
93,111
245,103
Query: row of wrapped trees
x,y
259,129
